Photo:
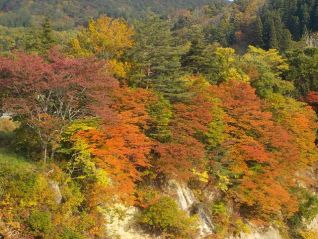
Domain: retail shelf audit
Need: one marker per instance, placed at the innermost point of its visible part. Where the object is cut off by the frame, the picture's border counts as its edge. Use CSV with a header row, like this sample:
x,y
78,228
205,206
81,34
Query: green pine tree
x,y
39,40
156,57
47,35
32,40
258,41
193,59
273,39
160,112
305,18
285,40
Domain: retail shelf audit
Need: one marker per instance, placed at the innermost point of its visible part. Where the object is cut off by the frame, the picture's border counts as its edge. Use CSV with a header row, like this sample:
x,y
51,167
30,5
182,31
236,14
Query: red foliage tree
x,y
312,99
46,95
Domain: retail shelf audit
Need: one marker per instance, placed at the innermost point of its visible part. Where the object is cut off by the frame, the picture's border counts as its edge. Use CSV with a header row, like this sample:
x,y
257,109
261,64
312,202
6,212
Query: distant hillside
x,y
69,13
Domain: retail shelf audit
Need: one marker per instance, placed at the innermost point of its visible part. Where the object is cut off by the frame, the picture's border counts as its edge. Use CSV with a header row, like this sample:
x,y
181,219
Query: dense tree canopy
x,y
116,113
66,13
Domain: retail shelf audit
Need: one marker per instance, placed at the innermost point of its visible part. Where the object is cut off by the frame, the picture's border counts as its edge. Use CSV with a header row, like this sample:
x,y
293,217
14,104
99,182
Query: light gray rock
x,y
314,224
120,224
186,201
56,188
270,233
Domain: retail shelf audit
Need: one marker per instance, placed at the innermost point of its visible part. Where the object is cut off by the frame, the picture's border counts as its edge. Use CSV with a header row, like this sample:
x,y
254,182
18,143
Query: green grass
x,y
14,162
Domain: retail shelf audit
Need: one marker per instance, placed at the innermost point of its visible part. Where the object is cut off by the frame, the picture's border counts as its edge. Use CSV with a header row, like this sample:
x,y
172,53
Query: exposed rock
x,y
56,188
314,224
187,201
120,224
270,233
121,219
6,116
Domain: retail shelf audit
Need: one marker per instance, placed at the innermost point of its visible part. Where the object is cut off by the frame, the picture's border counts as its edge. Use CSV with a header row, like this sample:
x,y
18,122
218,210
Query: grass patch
x,y
13,162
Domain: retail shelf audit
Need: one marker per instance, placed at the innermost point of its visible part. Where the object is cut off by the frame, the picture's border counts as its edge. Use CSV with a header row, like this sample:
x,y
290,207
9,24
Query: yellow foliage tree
x,y
105,38
227,58
265,70
271,58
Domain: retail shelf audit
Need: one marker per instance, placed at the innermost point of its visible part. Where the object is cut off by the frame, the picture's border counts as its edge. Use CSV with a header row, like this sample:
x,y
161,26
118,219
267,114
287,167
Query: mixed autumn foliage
x,y
121,110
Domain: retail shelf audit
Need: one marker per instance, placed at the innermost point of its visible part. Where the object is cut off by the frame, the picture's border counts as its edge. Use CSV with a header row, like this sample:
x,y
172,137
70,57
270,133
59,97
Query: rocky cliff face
x,y
270,233
188,202
121,225
56,189
314,225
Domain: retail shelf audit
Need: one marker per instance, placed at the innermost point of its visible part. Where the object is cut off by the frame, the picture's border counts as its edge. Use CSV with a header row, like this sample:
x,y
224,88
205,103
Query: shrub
x,y
221,217
7,125
40,222
165,217
308,234
69,234
308,209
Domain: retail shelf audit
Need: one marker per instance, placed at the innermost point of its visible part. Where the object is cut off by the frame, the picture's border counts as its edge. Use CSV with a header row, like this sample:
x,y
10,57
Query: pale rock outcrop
x,y
56,189
313,225
270,233
121,219
120,224
187,201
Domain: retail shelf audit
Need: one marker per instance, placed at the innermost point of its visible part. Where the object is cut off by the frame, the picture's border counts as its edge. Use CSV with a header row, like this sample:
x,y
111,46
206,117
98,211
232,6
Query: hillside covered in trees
x,y
67,14
181,123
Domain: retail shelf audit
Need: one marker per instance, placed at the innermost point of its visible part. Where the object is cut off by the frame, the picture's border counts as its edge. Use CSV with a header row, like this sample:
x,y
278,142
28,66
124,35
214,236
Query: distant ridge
x,y
69,13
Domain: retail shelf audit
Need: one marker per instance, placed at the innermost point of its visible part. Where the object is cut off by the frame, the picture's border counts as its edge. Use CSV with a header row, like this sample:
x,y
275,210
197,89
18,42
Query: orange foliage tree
x,y
259,153
119,147
186,150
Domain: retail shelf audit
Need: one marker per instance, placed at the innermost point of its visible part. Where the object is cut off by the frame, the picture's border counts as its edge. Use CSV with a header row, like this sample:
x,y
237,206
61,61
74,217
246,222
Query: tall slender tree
x,y
156,57
258,41
47,35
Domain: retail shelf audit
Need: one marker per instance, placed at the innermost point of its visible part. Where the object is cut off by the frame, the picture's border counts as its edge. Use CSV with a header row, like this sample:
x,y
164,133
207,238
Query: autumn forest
x,y
192,119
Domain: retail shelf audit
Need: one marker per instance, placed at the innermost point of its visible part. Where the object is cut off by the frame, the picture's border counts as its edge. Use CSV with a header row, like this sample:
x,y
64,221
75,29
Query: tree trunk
x,y
52,154
45,153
